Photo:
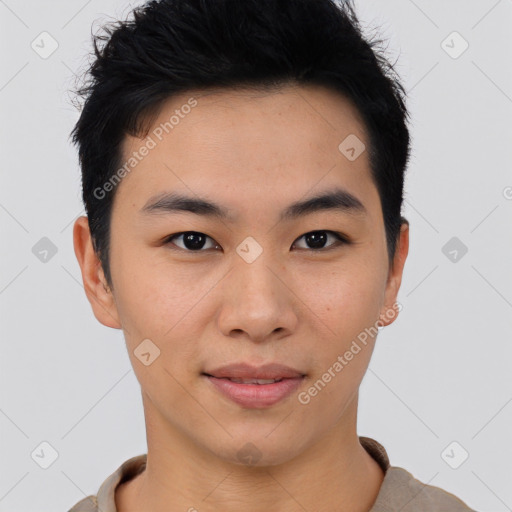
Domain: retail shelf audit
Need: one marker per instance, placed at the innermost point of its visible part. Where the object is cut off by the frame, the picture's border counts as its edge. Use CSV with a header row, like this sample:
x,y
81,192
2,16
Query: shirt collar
x,y
132,467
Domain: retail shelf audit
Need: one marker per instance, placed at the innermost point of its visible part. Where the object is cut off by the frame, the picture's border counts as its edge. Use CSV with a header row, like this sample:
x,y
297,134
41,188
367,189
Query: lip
x,y
255,395
248,371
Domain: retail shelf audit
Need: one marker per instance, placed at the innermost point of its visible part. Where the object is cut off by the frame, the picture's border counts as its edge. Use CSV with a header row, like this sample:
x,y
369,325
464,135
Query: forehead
x,y
219,142
307,108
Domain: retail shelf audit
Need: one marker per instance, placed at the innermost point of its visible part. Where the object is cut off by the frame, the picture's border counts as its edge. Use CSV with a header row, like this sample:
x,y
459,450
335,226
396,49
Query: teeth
x,y
255,381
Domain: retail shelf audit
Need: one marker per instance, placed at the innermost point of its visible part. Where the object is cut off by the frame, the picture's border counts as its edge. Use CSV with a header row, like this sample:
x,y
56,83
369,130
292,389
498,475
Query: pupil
x,y
191,240
316,240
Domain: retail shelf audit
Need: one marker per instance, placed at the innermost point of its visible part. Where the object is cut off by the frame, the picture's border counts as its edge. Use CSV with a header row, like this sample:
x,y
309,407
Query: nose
x,y
257,302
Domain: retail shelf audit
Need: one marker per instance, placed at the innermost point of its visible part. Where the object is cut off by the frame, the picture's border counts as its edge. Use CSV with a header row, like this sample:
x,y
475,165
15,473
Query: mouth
x,y
247,381
252,393
247,372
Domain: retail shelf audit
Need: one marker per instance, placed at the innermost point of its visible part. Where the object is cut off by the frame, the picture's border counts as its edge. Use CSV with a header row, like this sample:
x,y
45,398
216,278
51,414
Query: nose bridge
x,y
254,279
256,301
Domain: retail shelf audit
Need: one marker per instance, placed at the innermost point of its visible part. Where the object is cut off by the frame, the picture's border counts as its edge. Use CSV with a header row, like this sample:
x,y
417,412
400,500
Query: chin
x,y
268,447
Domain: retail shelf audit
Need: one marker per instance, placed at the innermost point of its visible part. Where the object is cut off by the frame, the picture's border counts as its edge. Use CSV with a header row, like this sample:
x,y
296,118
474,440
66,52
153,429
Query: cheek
x,y
155,299
345,300
160,306
346,306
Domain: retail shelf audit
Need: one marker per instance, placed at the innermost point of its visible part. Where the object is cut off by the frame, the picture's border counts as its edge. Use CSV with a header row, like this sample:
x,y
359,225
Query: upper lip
x,y
247,371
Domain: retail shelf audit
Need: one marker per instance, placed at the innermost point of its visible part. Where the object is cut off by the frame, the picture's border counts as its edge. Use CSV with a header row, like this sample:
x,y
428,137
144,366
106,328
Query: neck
x,y
335,473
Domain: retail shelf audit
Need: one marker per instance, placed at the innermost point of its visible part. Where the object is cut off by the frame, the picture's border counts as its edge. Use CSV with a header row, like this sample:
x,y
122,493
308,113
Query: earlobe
x,y
96,289
391,308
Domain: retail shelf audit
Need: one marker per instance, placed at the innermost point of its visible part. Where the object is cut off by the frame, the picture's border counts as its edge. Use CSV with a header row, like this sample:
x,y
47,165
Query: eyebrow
x,y
339,200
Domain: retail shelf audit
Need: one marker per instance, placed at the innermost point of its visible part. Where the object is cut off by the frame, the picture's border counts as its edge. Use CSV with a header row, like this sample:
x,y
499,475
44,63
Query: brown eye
x,y
316,240
193,241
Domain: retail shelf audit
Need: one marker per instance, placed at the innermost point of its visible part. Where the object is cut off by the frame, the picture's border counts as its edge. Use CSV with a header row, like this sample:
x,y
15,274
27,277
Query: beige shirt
x,y
399,491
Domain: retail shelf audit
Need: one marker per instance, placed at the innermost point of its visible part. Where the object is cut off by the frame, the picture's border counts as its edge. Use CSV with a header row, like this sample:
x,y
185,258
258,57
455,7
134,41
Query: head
x,y
247,109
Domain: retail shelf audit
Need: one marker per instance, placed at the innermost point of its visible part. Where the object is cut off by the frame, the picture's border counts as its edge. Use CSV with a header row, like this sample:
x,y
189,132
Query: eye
x,y
192,240
317,239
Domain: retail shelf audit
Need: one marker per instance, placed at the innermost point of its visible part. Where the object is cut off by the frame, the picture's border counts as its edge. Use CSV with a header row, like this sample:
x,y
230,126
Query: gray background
x,y
440,373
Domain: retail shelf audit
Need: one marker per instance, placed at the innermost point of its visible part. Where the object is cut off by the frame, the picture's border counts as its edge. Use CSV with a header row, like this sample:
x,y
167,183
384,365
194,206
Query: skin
x,y
254,153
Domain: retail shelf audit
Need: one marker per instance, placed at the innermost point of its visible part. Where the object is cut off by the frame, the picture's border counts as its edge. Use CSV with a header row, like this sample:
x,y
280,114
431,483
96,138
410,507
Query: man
x,y
243,166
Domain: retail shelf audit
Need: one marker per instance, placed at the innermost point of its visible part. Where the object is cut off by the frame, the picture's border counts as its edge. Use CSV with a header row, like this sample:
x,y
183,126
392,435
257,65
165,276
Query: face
x,y
263,282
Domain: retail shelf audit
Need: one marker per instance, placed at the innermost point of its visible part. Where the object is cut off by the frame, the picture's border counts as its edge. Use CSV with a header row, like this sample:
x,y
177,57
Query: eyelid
x,y
167,241
341,240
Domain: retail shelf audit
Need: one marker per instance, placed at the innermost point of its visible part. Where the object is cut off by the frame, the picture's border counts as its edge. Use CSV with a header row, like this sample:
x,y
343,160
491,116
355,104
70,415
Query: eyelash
x,y
341,240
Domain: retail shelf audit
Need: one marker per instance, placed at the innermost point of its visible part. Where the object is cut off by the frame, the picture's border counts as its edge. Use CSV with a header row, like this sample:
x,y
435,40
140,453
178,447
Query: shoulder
x,y
104,500
400,489
88,504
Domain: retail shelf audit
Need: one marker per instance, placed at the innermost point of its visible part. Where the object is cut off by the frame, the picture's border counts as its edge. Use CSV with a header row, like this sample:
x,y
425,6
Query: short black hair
x,y
172,46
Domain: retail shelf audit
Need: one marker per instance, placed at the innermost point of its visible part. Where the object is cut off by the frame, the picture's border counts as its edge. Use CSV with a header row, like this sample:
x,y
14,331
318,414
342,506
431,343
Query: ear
x,y
95,285
390,310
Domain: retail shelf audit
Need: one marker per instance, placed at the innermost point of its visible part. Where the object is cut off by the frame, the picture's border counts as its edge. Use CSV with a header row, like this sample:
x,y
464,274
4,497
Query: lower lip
x,y
256,395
